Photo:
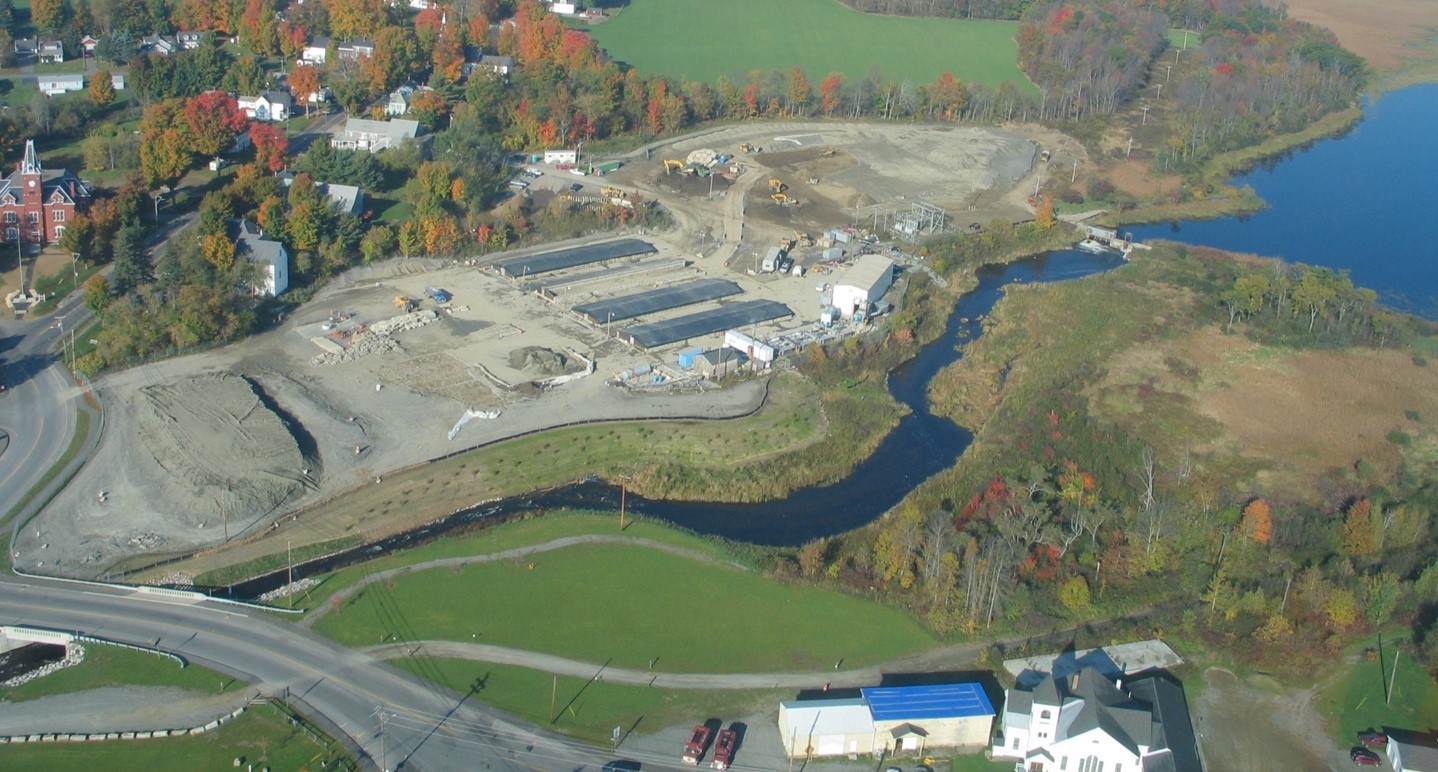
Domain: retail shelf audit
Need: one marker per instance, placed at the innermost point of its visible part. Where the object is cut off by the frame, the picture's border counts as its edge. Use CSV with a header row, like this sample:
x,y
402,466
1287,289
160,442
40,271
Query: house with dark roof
x,y
189,40
1412,751
271,261
37,205
164,45
50,51
888,720
1087,722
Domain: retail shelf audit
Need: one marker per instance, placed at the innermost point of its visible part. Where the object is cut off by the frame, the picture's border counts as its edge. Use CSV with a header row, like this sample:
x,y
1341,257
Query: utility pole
x,y
20,256
1142,123
623,489
1393,677
383,756
553,693
1074,175
290,560
1129,152
1159,95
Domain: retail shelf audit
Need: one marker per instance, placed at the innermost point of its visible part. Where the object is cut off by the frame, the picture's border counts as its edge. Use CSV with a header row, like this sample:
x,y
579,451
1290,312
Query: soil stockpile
x,y
224,448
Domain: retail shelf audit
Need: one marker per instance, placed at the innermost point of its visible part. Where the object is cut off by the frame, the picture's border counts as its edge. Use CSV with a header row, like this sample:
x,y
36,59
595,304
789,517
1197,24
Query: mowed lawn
x,y
704,40
633,607
1356,703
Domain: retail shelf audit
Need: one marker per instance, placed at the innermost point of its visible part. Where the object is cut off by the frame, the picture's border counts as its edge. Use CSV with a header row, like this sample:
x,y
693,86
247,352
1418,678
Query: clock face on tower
x,y
32,183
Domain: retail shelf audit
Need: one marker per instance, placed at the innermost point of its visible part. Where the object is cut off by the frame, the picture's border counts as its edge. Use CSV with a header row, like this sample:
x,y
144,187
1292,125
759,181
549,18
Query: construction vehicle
x,y
784,200
804,239
672,165
777,185
745,147
438,295
405,304
609,191
698,743
828,151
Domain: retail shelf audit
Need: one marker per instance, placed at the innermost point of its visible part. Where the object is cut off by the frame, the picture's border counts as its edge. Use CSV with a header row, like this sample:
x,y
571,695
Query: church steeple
x,y
30,164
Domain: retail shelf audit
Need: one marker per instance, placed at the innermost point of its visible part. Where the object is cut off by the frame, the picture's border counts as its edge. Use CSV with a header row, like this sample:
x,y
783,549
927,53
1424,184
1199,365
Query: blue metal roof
x,y
902,703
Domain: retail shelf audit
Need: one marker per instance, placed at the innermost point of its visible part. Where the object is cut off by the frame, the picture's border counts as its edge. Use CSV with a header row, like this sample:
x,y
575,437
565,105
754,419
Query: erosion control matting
x,y
568,258
662,299
705,322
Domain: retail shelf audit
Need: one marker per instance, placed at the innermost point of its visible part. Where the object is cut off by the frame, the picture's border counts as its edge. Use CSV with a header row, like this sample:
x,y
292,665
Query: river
x,y
1361,202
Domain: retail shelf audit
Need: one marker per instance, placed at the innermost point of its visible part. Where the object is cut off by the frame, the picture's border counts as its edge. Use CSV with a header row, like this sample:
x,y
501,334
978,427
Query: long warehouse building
x,y
560,259
662,299
714,320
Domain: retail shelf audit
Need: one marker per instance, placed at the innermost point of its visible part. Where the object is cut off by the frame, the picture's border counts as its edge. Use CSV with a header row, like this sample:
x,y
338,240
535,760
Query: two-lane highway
x,y
425,727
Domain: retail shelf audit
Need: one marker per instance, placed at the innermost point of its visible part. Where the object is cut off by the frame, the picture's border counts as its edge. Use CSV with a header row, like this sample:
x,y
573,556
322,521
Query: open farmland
x,y
702,41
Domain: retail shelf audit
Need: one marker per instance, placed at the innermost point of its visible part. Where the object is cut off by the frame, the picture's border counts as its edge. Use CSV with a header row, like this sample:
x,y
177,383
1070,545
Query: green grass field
x,y
590,709
704,40
261,737
114,666
630,605
1356,703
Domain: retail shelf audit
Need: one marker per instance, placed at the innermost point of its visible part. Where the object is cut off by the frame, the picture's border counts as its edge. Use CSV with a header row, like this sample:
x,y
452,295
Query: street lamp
x,y
74,256
606,325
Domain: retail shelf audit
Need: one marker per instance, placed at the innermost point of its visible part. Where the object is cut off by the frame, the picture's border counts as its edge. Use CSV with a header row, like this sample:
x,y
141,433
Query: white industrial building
x,y
561,156
888,719
864,283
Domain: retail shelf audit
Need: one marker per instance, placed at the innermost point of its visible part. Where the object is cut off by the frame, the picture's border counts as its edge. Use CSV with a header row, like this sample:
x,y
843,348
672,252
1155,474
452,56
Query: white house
x,y
563,9
887,720
1088,722
374,136
864,283
52,85
270,257
189,41
1412,752
316,51
398,103
266,106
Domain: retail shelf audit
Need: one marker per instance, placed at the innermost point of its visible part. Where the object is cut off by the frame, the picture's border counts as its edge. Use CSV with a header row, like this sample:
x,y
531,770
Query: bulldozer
x,y
783,199
777,185
671,165
405,304
745,147
610,191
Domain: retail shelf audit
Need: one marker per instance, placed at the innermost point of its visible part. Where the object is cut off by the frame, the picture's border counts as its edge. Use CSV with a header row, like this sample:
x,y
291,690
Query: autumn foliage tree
x,y
1257,522
101,89
271,146
213,120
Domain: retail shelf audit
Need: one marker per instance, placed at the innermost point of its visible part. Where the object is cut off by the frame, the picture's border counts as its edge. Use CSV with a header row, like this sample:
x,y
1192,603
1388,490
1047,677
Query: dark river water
x,y
1364,202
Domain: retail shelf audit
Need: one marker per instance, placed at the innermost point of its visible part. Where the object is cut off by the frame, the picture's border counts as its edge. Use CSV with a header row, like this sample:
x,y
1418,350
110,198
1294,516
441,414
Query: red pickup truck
x,y
724,748
698,744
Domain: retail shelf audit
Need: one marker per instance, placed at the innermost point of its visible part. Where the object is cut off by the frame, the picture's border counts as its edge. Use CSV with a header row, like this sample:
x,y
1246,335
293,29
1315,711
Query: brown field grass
x,y
1389,34
1299,414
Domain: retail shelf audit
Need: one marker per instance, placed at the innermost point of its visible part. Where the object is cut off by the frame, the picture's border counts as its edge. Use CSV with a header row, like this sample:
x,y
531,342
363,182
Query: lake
x,y
1362,201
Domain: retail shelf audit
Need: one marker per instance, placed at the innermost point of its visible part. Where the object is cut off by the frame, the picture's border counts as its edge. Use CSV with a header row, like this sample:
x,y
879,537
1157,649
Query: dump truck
x,y
697,745
724,748
405,304
437,295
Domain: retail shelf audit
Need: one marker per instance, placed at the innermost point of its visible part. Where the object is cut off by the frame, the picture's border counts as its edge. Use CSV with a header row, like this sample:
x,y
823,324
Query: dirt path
x,y
518,552
1244,727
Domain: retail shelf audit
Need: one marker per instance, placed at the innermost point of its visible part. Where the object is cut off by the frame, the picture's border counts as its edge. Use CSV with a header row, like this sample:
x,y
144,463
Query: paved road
x,y
425,727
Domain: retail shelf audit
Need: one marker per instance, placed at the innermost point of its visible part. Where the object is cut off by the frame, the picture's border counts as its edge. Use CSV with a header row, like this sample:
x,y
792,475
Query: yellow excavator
x,y
783,199
405,304
671,165
777,185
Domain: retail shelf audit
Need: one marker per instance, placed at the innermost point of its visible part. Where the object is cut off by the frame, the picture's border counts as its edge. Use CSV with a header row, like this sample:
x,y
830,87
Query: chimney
x,y
1074,681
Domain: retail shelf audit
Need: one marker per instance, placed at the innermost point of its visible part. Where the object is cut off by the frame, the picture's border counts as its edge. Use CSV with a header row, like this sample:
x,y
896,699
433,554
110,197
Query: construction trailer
x,y
561,156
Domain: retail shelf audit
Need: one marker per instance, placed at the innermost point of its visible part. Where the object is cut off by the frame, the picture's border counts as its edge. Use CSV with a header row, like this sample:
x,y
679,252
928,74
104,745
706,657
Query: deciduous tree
x,y
101,89
164,158
1257,522
271,146
214,120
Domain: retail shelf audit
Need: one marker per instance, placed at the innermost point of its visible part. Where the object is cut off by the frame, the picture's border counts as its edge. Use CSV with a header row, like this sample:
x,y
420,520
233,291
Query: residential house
x,y
501,65
593,14
398,103
269,256
472,60
317,50
563,9
88,43
53,85
1412,752
346,199
267,105
50,51
888,720
26,47
1088,722
164,45
189,41
374,136
36,205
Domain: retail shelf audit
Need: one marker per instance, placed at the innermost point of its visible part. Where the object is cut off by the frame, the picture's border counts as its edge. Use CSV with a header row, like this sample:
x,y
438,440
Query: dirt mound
x,y
226,450
542,361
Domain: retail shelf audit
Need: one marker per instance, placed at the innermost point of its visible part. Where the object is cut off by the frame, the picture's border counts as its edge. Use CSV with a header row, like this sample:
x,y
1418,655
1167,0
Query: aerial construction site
x,y
785,234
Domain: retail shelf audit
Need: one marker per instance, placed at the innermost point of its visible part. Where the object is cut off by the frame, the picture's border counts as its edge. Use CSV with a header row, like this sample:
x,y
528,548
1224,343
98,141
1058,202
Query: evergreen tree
x,y
131,262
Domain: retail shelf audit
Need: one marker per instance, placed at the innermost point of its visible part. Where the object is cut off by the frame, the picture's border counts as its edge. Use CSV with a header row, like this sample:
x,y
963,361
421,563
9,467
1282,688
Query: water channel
x,y
1362,201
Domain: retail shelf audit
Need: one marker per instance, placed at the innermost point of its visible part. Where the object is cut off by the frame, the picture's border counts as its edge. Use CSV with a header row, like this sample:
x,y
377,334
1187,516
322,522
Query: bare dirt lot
x,y
1244,727
219,446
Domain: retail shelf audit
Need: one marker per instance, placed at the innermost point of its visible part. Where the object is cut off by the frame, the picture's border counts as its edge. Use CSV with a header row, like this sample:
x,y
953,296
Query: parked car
x,y
1373,739
1365,758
